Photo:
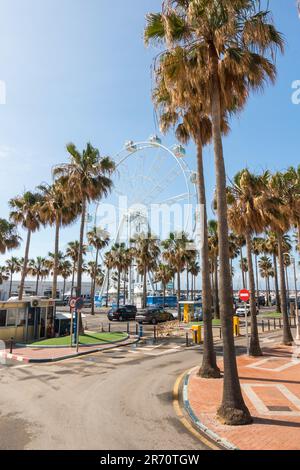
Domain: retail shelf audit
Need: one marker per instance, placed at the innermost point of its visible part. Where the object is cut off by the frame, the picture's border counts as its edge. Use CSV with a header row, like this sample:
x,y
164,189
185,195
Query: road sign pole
x,y
77,331
247,333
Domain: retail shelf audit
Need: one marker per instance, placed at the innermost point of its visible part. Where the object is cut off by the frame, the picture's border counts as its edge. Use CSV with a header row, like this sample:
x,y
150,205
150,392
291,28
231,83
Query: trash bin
x,y
197,334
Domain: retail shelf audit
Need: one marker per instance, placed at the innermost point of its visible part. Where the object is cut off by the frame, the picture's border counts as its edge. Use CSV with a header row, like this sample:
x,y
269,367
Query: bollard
x,y
154,334
280,323
11,345
128,326
236,326
140,330
136,329
197,334
274,323
102,327
187,339
263,326
269,326
220,333
109,327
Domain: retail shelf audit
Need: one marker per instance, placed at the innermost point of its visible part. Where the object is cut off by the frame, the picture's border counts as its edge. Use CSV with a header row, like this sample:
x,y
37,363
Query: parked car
x,y
124,313
153,316
262,301
240,311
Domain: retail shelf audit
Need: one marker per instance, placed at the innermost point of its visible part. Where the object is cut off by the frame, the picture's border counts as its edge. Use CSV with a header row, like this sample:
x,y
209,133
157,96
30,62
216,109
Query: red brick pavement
x,y
271,390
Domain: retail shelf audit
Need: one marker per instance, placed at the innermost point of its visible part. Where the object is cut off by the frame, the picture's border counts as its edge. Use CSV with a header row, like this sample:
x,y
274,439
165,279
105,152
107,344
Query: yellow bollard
x,y
236,326
186,314
197,334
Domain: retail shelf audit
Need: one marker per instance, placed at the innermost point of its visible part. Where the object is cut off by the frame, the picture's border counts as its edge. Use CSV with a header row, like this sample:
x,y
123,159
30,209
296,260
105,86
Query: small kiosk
x,y
27,320
190,311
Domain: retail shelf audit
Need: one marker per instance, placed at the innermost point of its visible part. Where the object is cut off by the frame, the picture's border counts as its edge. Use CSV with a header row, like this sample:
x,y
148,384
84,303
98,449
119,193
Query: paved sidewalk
x,y
40,355
271,389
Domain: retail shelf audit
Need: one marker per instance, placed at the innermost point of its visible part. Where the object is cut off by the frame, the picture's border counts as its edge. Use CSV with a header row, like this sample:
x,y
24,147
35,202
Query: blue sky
x,y
77,70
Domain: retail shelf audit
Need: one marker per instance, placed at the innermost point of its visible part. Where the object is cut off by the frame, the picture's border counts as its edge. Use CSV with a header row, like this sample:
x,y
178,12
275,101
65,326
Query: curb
x,y
202,428
63,358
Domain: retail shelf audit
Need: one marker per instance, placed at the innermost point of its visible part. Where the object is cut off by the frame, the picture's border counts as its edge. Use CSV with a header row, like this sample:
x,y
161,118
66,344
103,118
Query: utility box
x,y
197,334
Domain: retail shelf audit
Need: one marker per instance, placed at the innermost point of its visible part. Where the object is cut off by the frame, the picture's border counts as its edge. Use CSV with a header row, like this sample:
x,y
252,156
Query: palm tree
x,y
176,249
98,239
9,238
244,270
96,274
257,249
163,274
119,254
4,276
145,251
65,271
109,263
13,266
38,268
248,201
86,178
194,270
229,44
279,221
72,252
266,271
25,211
57,211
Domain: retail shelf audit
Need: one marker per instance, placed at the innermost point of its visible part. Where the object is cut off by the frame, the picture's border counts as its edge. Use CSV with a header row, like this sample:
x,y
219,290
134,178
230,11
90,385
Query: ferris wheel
x,y
150,181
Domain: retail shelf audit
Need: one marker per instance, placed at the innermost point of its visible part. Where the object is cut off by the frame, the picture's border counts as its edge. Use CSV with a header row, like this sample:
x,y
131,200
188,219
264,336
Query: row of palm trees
x,y
213,54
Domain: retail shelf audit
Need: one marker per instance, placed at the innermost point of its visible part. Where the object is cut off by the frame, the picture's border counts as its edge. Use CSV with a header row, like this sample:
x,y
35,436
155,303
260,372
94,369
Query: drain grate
x,y
279,408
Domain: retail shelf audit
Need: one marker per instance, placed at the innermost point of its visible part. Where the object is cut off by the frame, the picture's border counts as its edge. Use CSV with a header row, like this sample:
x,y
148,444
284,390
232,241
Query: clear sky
x,y
77,70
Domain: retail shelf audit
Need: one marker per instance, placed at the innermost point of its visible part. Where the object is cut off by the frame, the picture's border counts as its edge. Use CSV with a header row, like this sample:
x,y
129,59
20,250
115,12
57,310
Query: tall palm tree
x,y
86,178
25,211
231,46
257,249
109,263
280,222
244,270
163,274
248,200
57,211
13,266
38,268
194,270
146,251
266,271
99,239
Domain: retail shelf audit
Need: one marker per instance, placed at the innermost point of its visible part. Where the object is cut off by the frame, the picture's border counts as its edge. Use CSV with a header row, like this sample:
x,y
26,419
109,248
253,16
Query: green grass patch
x,y
271,315
88,338
214,323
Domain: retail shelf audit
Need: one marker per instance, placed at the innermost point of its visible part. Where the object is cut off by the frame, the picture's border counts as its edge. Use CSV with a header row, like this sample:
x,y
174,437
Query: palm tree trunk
x,y
118,288
242,268
209,368
73,276
287,284
278,303
187,283
217,311
233,410
287,335
107,287
257,286
145,287
93,290
64,288
55,266
254,340
164,295
37,283
10,284
80,251
24,270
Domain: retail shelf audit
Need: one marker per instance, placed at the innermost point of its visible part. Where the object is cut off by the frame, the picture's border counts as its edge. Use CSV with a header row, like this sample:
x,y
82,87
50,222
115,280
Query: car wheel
x,y
120,318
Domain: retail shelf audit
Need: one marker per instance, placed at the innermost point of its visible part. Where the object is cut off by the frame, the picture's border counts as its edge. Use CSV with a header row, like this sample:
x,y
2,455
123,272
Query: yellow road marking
x,y
183,419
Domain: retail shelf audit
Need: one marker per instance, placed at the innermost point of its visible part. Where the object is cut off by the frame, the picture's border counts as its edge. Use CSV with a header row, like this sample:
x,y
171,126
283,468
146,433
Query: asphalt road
x,y
119,400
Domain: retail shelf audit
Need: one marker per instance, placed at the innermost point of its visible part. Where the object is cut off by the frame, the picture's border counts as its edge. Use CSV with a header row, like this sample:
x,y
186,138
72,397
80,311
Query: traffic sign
x,y
244,295
72,303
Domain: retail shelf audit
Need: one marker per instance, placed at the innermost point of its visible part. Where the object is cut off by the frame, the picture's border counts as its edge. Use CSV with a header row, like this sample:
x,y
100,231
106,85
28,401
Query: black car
x,y
153,316
124,313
